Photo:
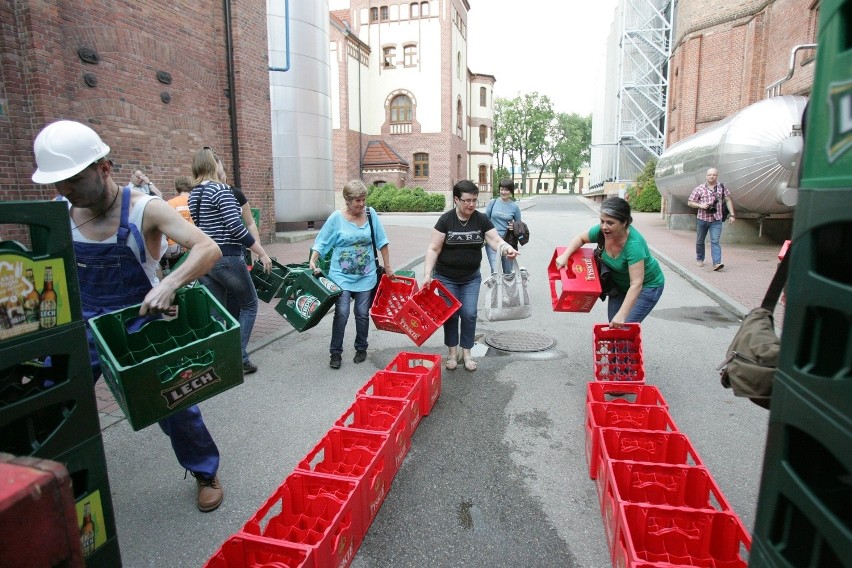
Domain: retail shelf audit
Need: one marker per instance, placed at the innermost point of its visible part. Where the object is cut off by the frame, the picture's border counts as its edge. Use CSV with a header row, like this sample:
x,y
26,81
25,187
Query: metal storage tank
x,y
757,150
300,98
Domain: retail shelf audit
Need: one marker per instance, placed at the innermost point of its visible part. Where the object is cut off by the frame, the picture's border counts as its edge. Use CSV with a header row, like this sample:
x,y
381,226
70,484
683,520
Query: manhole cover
x,y
522,341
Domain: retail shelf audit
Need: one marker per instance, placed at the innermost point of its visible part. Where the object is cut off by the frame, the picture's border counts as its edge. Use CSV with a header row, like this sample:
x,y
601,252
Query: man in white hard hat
x,y
118,241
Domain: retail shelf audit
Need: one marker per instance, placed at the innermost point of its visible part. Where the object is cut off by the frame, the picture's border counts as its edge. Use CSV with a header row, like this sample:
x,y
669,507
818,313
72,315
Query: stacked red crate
x,y
318,517
659,504
425,311
427,364
391,296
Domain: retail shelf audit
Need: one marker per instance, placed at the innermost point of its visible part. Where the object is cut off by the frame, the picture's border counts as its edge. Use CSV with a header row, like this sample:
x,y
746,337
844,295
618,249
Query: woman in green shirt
x,y
637,277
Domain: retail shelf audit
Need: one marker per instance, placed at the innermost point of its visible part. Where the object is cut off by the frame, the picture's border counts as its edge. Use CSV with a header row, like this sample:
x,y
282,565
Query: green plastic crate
x,y
172,363
45,226
827,160
266,285
324,263
306,299
405,273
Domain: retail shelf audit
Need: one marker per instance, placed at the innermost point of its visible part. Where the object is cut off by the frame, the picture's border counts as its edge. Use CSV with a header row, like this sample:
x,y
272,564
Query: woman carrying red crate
x,y
454,254
637,277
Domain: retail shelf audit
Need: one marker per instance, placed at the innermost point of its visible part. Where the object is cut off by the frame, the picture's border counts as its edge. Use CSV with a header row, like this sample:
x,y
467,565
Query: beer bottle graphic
x,y
32,299
15,310
47,307
87,531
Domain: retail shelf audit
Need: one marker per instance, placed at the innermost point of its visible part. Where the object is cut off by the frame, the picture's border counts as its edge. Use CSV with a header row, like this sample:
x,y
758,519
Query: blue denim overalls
x,y
112,278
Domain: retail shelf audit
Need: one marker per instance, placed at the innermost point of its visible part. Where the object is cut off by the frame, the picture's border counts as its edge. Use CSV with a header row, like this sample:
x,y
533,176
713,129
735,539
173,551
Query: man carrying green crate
x,y
119,236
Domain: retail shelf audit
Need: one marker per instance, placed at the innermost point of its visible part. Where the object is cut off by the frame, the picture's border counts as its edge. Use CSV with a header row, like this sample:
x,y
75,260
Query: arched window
x,y
458,64
424,9
384,13
483,97
459,118
421,165
374,14
483,174
458,166
415,10
401,109
483,133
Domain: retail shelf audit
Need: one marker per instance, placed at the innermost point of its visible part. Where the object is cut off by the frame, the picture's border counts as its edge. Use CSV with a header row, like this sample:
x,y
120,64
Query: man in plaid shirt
x,y
708,198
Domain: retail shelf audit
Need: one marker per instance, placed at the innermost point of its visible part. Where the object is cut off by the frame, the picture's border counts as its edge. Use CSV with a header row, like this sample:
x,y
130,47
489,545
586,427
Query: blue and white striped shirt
x,y
218,215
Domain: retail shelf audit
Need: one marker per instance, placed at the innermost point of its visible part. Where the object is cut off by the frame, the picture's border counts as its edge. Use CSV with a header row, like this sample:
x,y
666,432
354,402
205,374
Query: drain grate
x,y
519,341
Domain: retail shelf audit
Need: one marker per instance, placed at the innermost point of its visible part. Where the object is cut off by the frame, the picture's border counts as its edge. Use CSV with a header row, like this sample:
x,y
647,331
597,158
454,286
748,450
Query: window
x,y
459,117
374,14
389,57
400,109
483,134
458,64
384,12
483,97
409,55
424,9
421,165
458,166
483,174
415,10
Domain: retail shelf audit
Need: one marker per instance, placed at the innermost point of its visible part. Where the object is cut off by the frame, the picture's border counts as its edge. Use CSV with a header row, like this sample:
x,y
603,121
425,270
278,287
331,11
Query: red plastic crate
x,y
37,514
625,393
652,446
426,311
576,287
386,416
247,551
675,536
390,297
426,363
397,386
359,456
315,512
657,484
618,353
613,415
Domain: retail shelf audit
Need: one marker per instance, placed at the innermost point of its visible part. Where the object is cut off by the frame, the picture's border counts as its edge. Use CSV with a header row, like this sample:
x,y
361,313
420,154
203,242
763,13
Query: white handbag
x,y
507,296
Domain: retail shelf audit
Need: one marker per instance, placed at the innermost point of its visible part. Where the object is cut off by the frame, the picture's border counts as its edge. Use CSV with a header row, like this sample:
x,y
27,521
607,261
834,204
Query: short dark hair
x,y
465,186
509,184
617,208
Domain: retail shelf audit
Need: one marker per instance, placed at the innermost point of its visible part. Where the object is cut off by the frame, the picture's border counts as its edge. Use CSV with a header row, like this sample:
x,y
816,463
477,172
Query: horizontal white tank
x,y
757,152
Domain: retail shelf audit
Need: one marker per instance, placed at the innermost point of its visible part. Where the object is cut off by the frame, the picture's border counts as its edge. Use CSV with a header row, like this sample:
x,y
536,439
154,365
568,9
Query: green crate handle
x,y
169,372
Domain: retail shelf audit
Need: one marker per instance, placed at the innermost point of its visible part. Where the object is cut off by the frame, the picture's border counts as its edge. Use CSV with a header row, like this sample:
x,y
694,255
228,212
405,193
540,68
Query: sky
x,y
555,47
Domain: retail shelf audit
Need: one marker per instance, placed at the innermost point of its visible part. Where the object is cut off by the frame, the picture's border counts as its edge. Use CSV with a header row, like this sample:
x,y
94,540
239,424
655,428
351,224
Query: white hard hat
x,y
64,149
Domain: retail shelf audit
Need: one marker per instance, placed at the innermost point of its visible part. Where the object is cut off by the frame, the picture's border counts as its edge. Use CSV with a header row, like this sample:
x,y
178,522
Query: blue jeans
x,y
230,277
715,229
466,292
492,258
646,301
341,316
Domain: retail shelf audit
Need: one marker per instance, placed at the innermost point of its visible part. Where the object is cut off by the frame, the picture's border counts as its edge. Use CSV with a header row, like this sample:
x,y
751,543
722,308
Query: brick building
x,y
153,78
726,54
406,109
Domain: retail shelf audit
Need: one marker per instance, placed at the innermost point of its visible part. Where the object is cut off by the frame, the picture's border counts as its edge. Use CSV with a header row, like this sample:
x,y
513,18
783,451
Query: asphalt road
x,y
497,473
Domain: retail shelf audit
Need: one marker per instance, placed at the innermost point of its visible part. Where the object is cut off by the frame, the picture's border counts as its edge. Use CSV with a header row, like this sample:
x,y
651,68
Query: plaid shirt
x,y
705,194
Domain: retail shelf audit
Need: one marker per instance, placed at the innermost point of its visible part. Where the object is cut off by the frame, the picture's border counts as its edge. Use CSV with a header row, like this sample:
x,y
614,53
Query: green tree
x,y
572,139
643,195
527,121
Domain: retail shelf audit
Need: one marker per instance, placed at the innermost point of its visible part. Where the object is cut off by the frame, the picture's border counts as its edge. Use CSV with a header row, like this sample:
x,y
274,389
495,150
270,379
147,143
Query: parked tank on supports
x,y
757,151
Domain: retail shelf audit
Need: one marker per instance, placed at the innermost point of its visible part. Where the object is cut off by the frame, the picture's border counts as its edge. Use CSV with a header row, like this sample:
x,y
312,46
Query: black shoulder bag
x,y
379,269
749,368
604,272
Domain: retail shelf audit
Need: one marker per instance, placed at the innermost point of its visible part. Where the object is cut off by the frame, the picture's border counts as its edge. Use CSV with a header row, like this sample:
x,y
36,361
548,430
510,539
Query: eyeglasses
x,y
468,201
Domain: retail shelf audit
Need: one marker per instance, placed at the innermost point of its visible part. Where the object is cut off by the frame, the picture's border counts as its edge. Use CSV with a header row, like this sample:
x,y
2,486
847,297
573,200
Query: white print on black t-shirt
x,y
463,237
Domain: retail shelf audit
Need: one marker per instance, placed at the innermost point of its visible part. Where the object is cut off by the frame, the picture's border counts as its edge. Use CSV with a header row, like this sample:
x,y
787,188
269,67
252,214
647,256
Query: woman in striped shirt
x,y
215,211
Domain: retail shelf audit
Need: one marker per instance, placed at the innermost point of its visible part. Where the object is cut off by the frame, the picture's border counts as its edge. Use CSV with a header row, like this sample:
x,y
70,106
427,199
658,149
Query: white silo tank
x,y
300,99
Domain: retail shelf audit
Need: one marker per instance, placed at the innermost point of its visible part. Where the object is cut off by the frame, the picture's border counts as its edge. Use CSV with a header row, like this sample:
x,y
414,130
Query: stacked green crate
x,y
804,515
47,400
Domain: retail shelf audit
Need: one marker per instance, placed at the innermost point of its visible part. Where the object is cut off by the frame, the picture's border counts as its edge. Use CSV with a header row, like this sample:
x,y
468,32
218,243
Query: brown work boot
x,y
210,493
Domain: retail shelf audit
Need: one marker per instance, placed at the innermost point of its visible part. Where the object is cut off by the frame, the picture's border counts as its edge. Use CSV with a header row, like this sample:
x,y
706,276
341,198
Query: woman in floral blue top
x,y
353,266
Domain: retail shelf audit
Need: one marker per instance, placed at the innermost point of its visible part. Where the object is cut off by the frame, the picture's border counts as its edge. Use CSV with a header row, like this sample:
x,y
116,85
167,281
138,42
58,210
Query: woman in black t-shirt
x,y
454,254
